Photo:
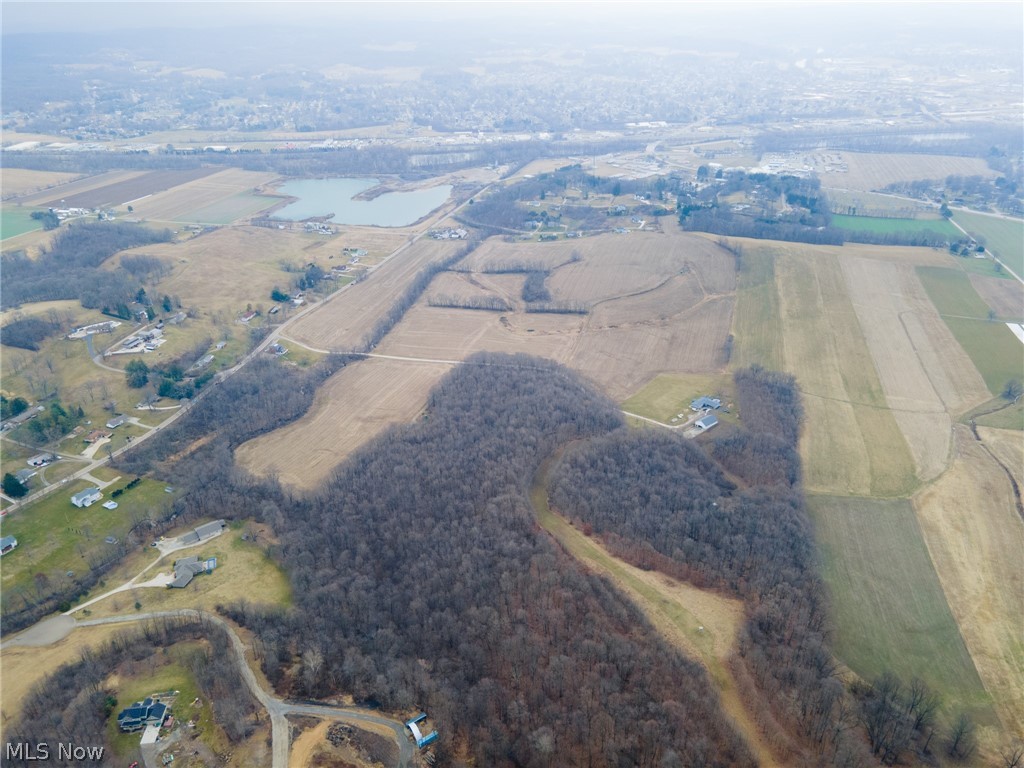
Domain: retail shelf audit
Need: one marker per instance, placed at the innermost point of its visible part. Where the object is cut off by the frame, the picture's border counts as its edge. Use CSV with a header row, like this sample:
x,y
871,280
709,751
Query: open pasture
x,y
228,268
453,334
352,407
345,321
996,352
975,536
125,191
1003,236
851,443
884,226
25,666
1004,296
217,198
869,171
757,323
61,195
888,603
875,204
17,182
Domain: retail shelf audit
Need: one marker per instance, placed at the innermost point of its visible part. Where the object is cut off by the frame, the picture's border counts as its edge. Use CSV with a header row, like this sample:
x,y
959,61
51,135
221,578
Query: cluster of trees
x,y
660,502
12,407
171,378
534,288
429,584
808,219
28,332
13,487
53,422
70,267
1002,192
74,704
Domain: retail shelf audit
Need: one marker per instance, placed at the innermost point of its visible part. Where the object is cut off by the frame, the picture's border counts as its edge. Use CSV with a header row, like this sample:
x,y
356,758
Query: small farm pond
x,y
323,197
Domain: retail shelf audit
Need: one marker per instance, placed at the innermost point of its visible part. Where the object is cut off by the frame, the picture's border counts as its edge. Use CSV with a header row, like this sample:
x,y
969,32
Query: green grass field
x,y
17,221
995,351
54,536
882,226
1004,237
757,327
669,394
887,603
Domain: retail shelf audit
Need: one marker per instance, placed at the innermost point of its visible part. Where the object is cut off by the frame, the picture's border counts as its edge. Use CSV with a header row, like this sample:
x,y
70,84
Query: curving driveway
x,y
276,708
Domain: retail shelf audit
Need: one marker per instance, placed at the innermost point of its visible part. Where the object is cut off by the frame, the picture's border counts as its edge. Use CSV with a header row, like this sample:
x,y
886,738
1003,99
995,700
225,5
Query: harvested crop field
x,y
217,198
851,443
60,196
345,321
454,334
128,190
17,182
923,371
868,171
352,407
229,268
621,359
1004,295
464,286
888,604
975,536
613,266
496,254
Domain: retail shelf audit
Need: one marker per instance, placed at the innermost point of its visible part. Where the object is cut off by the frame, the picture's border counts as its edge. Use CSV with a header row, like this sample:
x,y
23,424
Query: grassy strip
x,y
884,226
887,603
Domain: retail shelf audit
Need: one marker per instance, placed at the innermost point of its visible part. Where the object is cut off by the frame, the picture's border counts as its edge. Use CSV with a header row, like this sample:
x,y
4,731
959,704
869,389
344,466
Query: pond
x,y
322,197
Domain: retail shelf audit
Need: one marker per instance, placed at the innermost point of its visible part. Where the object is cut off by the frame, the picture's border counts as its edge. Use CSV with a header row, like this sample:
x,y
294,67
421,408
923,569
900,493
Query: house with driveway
x,y
86,497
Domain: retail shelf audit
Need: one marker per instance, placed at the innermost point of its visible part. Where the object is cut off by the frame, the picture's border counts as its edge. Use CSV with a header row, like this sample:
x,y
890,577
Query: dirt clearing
x,y
352,407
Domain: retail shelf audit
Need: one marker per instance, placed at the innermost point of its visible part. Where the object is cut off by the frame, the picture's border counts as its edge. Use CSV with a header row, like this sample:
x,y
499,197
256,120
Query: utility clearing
x,y
700,623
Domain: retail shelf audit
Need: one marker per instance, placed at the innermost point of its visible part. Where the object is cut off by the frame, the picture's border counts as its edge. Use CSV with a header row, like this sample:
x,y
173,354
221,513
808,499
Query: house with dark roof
x,y
24,475
7,543
140,714
188,568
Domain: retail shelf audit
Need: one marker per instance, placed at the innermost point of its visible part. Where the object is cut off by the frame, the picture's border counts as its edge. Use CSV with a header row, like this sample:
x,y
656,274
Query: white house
x,y
86,497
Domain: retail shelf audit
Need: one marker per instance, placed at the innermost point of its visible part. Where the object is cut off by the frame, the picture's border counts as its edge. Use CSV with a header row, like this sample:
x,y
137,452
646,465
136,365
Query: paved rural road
x,y
276,708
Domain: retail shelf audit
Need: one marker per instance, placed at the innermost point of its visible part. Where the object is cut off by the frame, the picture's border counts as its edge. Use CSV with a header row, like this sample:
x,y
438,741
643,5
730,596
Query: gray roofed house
x,y
705,402
116,422
7,543
86,497
23,475
187,568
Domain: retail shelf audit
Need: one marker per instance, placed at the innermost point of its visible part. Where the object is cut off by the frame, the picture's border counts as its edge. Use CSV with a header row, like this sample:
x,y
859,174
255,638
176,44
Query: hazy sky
x,y
792,17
